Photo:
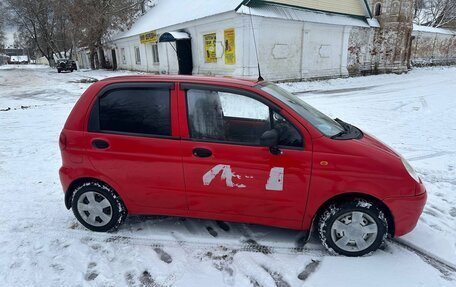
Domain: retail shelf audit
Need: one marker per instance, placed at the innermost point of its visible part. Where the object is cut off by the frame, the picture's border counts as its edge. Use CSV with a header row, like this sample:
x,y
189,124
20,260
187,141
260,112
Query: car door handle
x,y
100,144
202,152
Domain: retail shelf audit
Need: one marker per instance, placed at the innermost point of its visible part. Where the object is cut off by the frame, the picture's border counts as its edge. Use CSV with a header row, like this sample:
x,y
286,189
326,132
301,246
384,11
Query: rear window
x,y
136,110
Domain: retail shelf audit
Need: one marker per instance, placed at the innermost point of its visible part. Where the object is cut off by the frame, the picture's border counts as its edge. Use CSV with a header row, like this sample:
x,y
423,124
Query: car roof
x,y
183,78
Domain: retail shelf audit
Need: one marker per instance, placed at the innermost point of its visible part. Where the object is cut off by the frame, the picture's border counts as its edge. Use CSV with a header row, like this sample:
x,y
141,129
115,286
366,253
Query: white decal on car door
x,y
227,175
275,180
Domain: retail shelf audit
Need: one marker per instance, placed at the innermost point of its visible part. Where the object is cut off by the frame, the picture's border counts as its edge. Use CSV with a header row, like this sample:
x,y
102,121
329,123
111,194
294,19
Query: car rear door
x,y
133,140
227,173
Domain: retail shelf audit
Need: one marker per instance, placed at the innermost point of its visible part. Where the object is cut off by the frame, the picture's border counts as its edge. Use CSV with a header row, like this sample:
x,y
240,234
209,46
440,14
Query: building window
x,y
378,9
137,56
155,54
122,55
395,8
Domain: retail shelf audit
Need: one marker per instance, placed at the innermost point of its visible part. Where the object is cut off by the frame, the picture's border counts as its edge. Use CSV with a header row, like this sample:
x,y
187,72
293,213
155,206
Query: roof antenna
x,y
260,78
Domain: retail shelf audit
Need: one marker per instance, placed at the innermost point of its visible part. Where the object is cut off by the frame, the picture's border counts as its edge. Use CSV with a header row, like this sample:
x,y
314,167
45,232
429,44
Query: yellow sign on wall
x,y
149,37
210,48
230,47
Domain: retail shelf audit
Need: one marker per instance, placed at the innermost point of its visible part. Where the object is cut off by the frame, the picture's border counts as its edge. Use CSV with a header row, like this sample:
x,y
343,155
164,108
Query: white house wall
x,y
306,50
324,50
220,67
129,44
167,55
197,29
279,52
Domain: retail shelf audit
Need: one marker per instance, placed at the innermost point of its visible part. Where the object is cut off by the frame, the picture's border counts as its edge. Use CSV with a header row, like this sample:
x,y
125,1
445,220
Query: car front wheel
x,y
98,207
353,228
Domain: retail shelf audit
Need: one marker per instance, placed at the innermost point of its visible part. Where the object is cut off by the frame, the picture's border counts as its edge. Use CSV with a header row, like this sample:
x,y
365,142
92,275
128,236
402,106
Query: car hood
x,y
371,140
367,146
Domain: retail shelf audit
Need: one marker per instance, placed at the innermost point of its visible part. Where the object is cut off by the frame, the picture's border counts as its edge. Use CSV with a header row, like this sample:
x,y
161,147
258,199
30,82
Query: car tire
x,y
59,71
353,228
98,207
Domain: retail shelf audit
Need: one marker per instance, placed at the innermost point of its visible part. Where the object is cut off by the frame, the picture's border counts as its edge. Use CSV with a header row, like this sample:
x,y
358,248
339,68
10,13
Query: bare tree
x,y
42,24
97,19
56,27
435,13
2,25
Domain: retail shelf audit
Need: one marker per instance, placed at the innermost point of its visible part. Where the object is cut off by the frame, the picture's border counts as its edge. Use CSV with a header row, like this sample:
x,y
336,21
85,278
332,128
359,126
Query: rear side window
x,y
133,110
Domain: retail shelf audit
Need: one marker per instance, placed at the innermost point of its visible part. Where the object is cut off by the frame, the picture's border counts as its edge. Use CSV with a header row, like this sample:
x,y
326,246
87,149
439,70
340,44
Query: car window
x,y
230,117
238,106
323,123
288,134
136,110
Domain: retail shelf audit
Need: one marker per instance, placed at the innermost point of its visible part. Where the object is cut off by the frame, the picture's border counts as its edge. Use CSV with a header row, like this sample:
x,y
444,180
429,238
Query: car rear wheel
x,y
98,207
353,228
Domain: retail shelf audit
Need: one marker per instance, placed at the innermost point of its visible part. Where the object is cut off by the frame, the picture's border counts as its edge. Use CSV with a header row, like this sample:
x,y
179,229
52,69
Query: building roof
x,y
167,13
171,12
299,14
348,7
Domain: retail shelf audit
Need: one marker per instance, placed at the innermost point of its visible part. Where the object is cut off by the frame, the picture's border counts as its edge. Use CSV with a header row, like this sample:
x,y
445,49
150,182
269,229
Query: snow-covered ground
x,y
41,244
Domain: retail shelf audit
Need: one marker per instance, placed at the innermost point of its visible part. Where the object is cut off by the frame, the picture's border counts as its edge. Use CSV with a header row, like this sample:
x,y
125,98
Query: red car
x,y
234,150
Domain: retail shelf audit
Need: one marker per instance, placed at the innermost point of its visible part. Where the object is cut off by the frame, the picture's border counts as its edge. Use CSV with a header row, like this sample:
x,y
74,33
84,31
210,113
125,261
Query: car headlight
x,y
410,170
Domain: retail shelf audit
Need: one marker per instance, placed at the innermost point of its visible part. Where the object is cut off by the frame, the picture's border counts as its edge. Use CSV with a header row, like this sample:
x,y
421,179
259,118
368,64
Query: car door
x,y
226,170
133,139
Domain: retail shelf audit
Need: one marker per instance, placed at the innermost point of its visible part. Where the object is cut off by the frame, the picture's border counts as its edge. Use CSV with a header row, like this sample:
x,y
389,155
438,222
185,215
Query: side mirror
x,y
270,139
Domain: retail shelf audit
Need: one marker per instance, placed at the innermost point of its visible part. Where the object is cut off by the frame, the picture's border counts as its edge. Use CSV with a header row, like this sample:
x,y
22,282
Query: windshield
x,y
322,122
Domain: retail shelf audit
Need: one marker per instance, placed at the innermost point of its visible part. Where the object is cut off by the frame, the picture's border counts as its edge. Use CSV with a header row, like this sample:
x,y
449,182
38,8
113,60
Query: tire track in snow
x,y
432,155
447,269
178,242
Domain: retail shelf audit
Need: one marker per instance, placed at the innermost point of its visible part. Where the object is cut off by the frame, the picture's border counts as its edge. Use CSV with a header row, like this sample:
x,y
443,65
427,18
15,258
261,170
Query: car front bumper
x,y
406,210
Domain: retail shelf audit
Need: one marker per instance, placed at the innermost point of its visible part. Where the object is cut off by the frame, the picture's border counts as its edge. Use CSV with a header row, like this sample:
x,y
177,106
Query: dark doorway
x,y
114,59
184,56
183,49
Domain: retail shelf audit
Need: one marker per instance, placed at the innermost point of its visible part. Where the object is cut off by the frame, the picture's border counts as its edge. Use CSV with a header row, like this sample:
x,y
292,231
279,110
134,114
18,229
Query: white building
x,y
218,37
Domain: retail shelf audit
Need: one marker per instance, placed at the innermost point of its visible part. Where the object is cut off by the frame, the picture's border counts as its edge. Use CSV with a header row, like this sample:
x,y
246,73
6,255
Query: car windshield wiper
x,y
349,132
344,125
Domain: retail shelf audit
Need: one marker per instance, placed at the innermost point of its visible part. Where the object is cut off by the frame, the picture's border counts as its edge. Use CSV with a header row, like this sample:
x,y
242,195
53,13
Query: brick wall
x,y
432,46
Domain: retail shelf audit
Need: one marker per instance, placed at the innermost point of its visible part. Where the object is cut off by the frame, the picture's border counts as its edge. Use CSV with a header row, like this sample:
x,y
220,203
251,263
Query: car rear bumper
x,y
65,178
406,210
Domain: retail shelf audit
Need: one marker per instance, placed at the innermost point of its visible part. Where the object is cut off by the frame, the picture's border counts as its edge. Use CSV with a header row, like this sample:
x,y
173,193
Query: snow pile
x,y
164,14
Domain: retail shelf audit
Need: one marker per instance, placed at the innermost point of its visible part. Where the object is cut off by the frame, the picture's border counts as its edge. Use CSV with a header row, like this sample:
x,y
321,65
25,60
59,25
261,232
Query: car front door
x,y
227,172
133,140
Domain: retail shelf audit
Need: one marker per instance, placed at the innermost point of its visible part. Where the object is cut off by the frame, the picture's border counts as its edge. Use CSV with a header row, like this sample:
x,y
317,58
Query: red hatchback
x,y
233,150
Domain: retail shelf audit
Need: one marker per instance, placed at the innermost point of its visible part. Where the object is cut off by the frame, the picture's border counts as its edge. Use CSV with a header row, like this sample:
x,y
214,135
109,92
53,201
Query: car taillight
x,y
62,141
